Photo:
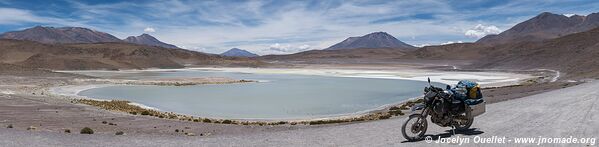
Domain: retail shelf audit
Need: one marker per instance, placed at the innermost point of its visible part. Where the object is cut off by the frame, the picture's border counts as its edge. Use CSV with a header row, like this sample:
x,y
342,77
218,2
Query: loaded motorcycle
x,y
455,107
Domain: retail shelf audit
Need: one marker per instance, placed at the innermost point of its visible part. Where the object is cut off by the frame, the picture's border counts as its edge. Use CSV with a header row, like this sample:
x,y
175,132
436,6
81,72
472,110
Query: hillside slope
x,y
146,39
53,35
106,56
576,54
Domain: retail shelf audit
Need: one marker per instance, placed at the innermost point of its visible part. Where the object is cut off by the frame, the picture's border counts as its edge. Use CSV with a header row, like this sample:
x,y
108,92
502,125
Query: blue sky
x,y
280,26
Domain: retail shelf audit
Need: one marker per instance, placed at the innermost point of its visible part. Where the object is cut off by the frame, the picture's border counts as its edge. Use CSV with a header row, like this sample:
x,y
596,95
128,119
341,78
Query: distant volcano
x,y
235,52
372,40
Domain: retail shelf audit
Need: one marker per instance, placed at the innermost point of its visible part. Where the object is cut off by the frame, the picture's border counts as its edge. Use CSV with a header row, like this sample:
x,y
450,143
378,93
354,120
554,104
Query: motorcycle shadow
x,y
449,133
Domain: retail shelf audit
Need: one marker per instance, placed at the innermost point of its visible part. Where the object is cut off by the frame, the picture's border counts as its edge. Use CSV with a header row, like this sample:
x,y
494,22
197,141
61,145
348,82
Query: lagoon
x,y
277,96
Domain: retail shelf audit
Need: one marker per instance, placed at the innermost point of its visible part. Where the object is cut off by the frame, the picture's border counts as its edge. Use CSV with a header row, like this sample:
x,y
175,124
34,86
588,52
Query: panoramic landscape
x,y
299,73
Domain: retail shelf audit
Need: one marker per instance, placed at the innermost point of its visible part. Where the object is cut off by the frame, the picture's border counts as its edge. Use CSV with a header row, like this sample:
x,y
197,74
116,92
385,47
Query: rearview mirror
x,y
429,80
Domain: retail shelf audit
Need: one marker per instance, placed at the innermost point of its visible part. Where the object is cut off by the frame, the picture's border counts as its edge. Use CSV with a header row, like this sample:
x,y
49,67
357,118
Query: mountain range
x,y
544,26
107,55
546,41
52,35
235,52
76,48
374,40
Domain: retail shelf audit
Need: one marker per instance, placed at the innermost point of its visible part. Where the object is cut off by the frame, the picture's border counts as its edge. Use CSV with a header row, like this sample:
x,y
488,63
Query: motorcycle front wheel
x,y
414,128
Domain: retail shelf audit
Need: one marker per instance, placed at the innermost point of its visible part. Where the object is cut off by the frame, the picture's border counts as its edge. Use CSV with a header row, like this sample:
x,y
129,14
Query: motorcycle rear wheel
x,y
416,129
468,122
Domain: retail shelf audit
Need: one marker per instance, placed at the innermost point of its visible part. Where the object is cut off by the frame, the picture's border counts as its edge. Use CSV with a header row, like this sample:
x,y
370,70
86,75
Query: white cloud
x,y
422,45
278,48
451,42
149,30
481,30
304,47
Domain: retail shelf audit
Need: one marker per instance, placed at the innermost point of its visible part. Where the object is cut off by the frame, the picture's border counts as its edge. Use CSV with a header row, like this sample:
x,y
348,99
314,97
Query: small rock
x,y
190,134
31,128
119,133
9,126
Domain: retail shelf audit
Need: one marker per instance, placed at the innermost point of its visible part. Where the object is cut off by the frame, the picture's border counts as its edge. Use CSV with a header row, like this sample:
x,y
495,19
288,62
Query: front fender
x,y
417,108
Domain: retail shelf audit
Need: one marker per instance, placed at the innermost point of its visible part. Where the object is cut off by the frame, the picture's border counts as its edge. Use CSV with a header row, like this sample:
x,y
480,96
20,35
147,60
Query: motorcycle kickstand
x,y
453,129
452,126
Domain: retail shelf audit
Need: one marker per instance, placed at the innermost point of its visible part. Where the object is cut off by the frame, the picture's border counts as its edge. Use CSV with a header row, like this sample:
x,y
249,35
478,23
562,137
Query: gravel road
x,y
572,111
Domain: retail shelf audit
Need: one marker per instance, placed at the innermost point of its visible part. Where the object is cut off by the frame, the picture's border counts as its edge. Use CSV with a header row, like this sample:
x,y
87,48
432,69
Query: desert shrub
x,y
133,112
145,112
317,122
206,120
196,120
177,130
104,122
282,122
87,130
119,133
67,131
9,126
404,107
393,108
396,112
226,121
386,116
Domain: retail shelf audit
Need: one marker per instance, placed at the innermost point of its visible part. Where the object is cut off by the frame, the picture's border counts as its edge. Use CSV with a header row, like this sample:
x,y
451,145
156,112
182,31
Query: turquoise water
x,y
282,96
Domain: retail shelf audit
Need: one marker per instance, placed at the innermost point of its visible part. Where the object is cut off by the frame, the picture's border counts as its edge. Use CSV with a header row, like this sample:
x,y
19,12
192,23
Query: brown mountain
x,y
374,40
544,26
575,54
145,39
109,55
60,35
